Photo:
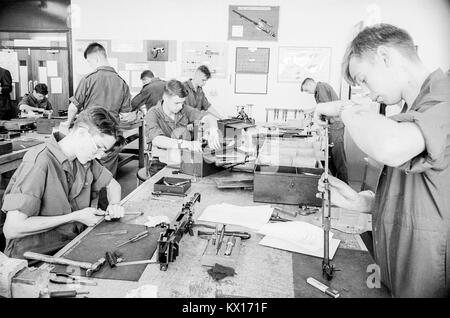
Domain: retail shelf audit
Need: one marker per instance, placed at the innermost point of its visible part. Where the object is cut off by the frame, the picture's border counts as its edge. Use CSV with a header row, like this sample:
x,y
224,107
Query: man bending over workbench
x,y
47,200
166,124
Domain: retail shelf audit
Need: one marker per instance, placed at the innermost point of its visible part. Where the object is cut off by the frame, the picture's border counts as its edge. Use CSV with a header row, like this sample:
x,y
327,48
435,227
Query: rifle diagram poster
x,y
297,63
211,54
253,23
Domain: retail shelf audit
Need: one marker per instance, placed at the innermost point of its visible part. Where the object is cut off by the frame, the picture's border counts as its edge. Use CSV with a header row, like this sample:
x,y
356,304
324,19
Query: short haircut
x,y
174,87
306,80
41,88
101,119
370,38
147,73
205,70
94,48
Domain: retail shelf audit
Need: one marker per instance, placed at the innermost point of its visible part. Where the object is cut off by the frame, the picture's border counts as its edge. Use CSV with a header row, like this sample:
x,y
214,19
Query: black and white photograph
x,y
224,156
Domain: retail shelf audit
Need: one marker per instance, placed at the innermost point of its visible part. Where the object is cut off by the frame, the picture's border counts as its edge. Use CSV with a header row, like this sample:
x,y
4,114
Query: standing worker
x,y
150,94
5,90
102,87
196,97
323,92
411,207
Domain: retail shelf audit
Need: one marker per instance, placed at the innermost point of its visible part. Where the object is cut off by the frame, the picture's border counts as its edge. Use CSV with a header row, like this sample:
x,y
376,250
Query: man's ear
x,y
384,53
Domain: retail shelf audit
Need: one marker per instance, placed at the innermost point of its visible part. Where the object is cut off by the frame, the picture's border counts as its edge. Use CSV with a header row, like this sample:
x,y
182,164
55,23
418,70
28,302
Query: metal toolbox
x,y
286,185
172,185
198,164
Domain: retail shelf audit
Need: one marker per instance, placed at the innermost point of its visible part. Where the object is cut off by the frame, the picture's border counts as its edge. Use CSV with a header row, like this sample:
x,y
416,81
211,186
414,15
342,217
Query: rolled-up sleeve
x,y
102,176
434,123
24,100
79,98
152,127
28,185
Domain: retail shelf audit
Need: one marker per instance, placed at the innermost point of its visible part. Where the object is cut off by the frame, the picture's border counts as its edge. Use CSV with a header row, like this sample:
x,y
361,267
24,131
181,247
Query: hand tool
x,y
322,287
219,243
277,218
230,243
158,193
113,258
146,261
63,278
305,210
133,239
90,267
113,232
242,235
64,293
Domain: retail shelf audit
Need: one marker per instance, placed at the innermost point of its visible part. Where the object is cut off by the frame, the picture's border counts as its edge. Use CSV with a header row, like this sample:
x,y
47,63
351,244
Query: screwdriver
x,y
135,238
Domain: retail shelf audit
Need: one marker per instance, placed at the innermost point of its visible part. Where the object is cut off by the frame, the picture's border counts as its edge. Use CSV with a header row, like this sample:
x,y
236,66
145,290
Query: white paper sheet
x,y
237,31
23,80
56,85
9,61
42,74
252,217
52,68
300,233
127,46
289,246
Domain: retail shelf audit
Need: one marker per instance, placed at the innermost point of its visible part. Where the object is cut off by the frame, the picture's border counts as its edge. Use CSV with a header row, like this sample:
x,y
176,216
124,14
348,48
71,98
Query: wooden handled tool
x,y
90,267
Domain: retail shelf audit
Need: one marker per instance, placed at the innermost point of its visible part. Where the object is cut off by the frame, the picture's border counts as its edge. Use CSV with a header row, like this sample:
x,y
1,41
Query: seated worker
x,y
47,200
151,93
36,101
324,92
411,207
166,123
196,97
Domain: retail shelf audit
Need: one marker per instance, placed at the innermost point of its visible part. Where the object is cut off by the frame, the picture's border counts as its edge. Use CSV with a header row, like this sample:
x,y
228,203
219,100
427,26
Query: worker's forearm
x,y
71,112
165,142
28,107
35,225
114,192
369,130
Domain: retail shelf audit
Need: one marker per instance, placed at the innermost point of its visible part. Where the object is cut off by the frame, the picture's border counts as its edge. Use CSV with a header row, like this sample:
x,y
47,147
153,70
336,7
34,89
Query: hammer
x,y
89,267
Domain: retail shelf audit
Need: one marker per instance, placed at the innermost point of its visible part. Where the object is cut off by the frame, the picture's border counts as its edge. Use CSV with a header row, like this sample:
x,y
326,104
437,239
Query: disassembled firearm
x,y
263,25
168,242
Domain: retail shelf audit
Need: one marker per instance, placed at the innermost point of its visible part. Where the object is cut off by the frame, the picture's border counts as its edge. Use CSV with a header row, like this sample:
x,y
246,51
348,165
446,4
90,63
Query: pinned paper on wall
x,y
23,80
211,54
297,63
113,62
237,31
56,85
125,76
42,74
9,61
52,68
127,46
136,79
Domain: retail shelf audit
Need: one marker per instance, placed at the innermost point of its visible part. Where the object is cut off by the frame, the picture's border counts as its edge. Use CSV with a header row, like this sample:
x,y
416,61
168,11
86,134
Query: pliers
x,y
62,278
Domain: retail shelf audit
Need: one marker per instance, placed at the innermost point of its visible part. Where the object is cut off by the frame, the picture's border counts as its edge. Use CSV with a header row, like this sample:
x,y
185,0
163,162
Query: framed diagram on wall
x,y
253,23
297,63
211,54
252,60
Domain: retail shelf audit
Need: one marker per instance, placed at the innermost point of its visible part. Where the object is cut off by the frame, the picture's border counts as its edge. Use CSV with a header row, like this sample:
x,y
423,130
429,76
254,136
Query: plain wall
x,y
305,23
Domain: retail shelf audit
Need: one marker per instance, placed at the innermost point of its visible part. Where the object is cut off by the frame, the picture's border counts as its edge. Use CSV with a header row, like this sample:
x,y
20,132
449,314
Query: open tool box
x,y
172,185
287,172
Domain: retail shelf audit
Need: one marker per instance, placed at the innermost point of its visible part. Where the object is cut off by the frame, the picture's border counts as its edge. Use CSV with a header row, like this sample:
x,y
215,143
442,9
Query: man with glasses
x,y
47,202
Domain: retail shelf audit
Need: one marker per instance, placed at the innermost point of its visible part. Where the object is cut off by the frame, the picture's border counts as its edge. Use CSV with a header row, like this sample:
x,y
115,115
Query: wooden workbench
x,y
261,271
